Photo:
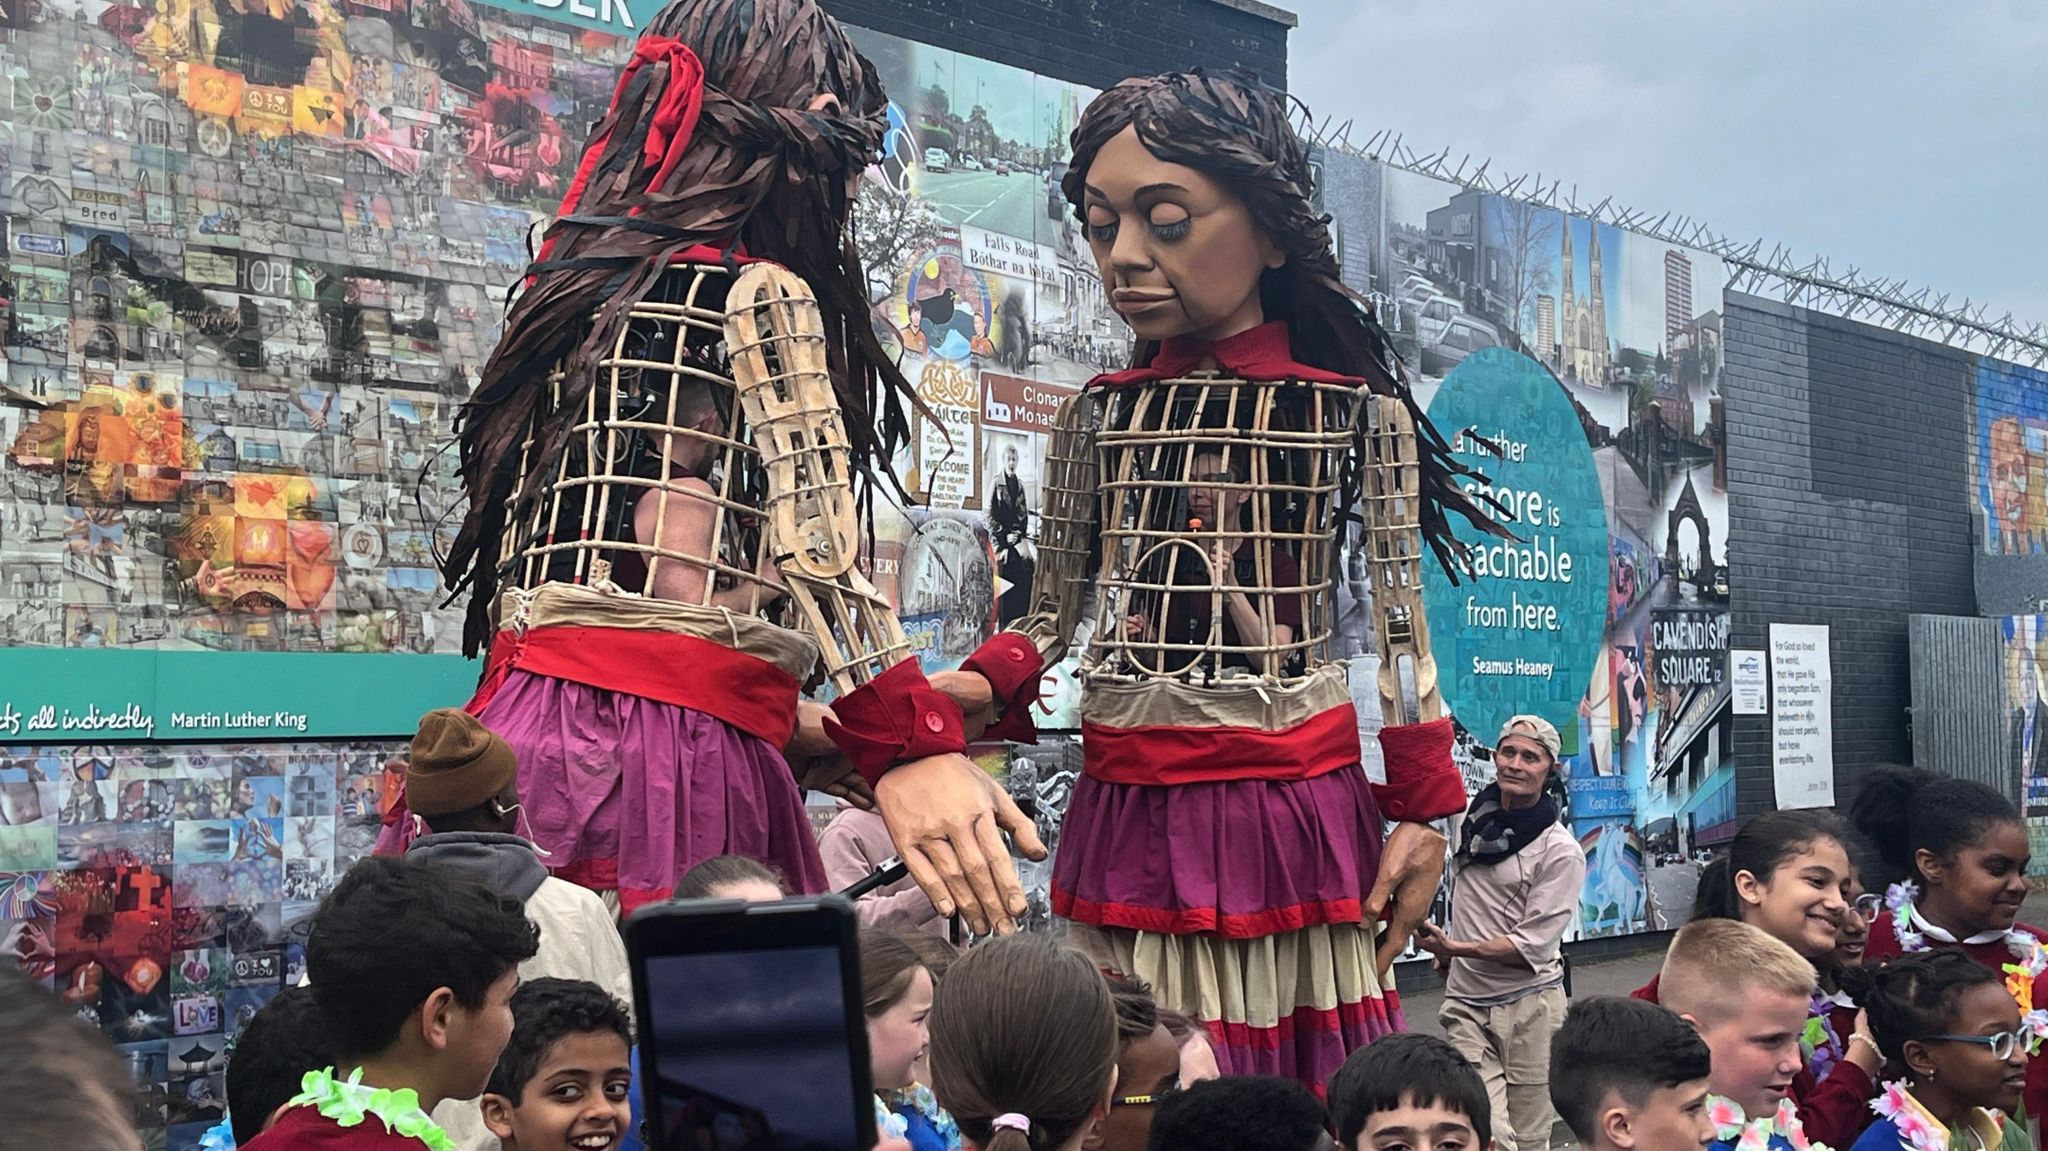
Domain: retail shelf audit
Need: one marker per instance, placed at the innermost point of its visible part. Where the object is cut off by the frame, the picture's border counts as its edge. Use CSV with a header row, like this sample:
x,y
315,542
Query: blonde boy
x,y
1748,995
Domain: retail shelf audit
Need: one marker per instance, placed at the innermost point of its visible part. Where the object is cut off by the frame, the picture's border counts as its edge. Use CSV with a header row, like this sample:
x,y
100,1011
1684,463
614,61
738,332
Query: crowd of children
x,y
1796,1011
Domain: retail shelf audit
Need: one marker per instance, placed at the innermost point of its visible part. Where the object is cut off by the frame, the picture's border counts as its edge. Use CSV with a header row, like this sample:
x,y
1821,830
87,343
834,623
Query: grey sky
x,y
1907,138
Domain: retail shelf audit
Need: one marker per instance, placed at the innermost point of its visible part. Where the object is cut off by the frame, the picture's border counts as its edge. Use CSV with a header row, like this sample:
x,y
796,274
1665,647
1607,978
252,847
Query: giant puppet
x,y
1224,842
664,461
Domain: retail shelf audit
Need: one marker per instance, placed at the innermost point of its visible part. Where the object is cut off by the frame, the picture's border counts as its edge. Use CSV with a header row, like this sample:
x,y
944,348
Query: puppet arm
x,y
1000,682
904,737
1422,782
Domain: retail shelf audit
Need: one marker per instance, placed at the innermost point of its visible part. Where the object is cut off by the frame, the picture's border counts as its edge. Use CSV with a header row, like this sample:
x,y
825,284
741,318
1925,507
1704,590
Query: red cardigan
x,y
1834,1110
1884,946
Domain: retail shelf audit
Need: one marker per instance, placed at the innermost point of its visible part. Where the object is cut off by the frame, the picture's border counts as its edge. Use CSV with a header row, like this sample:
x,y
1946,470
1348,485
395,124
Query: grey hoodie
x,y
502,863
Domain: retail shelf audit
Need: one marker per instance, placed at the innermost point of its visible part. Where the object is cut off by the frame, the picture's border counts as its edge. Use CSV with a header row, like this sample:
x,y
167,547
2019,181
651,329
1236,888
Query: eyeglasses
x,y
2002,1044
1867,905
1159,1096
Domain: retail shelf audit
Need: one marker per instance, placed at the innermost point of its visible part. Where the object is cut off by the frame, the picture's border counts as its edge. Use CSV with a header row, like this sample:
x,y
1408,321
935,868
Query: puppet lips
x,y
1126,298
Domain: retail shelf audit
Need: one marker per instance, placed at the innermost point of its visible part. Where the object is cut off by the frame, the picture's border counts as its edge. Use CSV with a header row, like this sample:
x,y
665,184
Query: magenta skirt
x,y
1240,858
1242,903
626,794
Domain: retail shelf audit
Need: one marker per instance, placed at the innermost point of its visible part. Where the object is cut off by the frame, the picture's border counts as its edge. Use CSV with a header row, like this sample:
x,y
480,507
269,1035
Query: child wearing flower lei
x,y
913,1113
1779,1130
1916,1127
351,1103
2032,957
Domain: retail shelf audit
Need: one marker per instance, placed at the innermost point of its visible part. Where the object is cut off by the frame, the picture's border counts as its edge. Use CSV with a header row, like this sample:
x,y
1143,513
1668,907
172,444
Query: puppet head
x,y
1232,133
1245,177
739,127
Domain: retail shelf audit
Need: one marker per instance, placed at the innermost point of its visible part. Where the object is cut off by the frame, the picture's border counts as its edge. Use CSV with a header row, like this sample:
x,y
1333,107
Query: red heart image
x,y
44,103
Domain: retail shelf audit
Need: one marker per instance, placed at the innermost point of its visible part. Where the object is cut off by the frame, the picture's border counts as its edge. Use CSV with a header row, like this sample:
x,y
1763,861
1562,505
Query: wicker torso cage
x,y
1212,509
707,472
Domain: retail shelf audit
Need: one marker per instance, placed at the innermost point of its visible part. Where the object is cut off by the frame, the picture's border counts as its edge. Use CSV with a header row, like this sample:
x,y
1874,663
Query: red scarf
x,y
1261,354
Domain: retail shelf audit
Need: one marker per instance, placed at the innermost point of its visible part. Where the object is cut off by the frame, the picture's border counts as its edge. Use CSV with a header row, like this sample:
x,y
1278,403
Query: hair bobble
x,y
1012,1120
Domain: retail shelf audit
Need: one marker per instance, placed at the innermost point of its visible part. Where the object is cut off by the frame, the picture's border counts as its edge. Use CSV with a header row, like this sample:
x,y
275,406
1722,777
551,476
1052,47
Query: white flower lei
x,y
1907,922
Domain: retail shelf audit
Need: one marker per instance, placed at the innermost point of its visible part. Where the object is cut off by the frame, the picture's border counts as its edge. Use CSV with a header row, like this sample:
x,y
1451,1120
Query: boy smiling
x,y
565,1081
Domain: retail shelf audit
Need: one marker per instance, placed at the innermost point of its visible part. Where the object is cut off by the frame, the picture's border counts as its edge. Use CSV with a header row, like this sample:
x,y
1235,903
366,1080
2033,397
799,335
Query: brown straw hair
x,y
1022,1025
763,174
1235,129
888,964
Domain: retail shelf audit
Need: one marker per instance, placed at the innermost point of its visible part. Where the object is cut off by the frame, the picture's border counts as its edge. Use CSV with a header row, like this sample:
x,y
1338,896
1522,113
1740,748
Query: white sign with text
x,y
1802,716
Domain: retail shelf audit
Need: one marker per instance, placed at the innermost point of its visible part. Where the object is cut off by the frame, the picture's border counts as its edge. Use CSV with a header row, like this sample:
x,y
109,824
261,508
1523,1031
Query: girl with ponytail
x,y
1024,1043
1956,853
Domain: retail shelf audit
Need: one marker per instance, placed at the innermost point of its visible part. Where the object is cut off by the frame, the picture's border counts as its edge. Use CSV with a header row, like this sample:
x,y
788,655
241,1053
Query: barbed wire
x,y
1809,283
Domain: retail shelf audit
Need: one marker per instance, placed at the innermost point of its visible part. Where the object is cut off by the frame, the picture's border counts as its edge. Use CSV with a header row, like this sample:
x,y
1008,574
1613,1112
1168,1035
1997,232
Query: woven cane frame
x,y
1392,511
630,426
1281,447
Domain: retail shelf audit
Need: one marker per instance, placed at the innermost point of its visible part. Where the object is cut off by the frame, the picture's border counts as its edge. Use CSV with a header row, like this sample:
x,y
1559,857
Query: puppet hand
x,y
947,816
1411,864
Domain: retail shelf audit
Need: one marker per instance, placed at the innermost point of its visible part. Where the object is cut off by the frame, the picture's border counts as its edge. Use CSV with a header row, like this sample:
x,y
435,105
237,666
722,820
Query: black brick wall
x,y
1848,505
1092,42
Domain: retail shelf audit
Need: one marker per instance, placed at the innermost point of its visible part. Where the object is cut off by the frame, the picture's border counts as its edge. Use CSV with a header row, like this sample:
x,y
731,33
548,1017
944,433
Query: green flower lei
x,y
348,1102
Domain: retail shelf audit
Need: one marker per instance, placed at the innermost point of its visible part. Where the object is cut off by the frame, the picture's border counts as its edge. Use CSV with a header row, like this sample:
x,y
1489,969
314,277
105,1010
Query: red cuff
x,y
1422,782
1015,671
896,717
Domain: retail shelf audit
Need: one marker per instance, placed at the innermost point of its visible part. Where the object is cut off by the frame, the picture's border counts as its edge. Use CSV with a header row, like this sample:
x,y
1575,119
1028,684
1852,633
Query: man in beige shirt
x,y
1514,889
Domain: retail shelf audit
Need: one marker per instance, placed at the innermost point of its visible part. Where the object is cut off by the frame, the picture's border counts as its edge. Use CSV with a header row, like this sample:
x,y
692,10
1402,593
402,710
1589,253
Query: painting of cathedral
x,y
1582,319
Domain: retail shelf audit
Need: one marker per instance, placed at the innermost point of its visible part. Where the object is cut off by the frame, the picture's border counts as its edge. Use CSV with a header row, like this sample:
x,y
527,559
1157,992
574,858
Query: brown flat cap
x,y
457,764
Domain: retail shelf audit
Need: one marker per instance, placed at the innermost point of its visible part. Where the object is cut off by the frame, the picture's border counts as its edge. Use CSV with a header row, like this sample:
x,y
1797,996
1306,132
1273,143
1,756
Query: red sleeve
x,y
1837,1109
1015,671
1647,992
1422,782
894,718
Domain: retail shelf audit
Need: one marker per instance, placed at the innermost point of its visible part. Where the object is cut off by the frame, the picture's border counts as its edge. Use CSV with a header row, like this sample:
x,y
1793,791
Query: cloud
x,y
1904,139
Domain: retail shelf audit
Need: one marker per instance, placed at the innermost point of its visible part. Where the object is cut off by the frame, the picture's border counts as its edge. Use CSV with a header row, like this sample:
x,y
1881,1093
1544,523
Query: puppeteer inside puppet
x,y
708,460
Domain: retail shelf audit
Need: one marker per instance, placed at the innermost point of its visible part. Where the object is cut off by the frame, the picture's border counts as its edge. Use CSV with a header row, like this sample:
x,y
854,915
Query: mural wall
x,y
255,257
1578,366
2009,480
2007,477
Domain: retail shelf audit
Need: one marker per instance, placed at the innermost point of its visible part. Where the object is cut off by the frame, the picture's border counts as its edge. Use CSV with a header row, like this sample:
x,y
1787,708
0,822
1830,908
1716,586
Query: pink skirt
x,y
627,794
1242,903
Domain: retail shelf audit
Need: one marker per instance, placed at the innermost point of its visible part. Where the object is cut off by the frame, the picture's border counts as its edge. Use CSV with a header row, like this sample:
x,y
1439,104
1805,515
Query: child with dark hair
x,y
564,1079
414,973
1957,854
271,1056
1147,1069
1626,1075
1955,1031
732,877
896,995
1241,1113
1416,1088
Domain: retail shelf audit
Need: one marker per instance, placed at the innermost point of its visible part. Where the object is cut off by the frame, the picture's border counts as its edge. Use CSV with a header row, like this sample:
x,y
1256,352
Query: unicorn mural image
x,y
1612,901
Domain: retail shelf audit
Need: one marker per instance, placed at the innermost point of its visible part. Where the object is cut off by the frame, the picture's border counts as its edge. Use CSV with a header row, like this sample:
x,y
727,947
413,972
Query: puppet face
x,y
1179,253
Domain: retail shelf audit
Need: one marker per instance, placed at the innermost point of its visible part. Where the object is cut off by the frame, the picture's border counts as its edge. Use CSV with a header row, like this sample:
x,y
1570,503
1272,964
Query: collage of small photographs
x,y
164,893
